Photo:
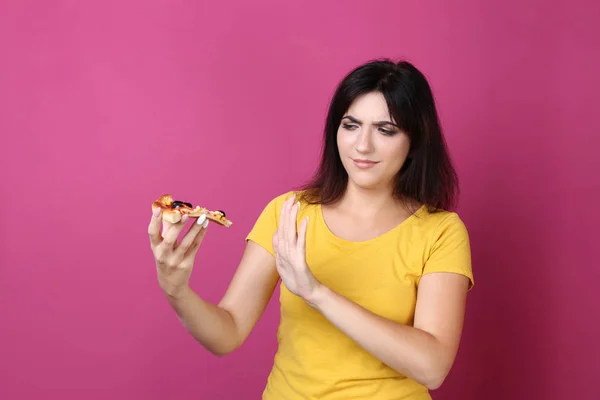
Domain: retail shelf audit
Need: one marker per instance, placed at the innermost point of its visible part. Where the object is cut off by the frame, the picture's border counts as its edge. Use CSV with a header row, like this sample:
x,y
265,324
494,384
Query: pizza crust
x,y
173,215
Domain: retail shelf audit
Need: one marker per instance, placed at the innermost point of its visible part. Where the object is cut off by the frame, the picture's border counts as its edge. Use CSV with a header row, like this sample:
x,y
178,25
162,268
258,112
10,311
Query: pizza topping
x,y
181,207
179,204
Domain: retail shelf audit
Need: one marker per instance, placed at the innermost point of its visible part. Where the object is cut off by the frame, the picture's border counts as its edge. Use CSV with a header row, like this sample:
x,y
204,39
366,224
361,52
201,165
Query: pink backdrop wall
x,y
104,105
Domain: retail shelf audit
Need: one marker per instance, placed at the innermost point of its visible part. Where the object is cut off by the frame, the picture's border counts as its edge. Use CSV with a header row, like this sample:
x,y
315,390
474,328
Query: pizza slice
x,y
173,210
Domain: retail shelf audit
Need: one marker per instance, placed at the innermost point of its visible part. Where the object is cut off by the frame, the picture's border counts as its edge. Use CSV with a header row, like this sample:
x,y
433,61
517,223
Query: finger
x,y
170,236
288,237
276,247
191,234
154,228
193,249
278,264
292,231
281,225
301,246
166,225
275,241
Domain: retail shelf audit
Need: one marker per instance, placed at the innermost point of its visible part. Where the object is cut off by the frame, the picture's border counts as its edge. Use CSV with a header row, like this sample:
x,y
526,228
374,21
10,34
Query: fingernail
x,y
201,219
205,224
156,212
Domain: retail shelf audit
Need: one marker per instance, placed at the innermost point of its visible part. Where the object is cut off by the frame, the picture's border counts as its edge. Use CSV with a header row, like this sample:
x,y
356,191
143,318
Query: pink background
x,y
107,104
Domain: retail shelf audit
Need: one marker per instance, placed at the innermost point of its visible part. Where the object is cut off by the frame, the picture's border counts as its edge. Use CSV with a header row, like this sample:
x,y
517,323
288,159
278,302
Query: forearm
x,y
210,325
410,351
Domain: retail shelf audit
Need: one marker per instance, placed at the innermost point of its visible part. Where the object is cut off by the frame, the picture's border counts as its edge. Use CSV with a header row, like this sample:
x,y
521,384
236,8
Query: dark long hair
x,y
427,175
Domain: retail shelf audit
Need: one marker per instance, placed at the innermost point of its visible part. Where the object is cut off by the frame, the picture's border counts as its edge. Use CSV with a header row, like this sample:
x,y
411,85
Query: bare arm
x,y
219,328
224,327
424,352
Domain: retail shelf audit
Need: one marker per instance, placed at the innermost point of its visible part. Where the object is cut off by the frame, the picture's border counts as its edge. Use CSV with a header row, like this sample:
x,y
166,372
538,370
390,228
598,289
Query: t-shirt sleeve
x,y
266,224
451,249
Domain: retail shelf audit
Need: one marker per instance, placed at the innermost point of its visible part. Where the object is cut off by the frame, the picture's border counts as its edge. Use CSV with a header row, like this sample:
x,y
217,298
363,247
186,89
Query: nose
x,y
364,142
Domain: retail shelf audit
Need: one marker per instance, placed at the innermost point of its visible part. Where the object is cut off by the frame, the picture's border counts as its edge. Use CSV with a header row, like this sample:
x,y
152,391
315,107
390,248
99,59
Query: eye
x,y
386,132
349,127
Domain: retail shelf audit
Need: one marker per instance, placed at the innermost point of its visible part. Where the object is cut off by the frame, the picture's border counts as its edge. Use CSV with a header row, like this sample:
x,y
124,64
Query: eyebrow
x,y
376,123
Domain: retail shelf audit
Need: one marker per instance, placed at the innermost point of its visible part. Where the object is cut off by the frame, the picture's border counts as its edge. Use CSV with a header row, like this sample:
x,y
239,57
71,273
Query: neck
x,y
357,200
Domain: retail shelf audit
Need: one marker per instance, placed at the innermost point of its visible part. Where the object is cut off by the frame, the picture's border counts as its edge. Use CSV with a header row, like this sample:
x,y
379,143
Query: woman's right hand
x,y
175,261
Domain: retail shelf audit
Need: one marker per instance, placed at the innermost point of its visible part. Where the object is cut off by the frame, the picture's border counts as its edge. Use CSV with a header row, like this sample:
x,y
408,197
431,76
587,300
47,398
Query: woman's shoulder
x,y
278,199
301,195
439,222
275,203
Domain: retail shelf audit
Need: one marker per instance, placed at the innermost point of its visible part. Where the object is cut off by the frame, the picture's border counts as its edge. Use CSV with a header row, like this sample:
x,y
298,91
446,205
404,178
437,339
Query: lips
x,y
364,164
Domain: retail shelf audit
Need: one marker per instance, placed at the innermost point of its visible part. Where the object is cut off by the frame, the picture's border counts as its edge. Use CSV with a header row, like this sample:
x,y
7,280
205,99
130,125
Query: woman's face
x,y
371,146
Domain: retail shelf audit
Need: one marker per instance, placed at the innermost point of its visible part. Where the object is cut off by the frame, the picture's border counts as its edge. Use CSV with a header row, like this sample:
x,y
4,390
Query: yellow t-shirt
x,y
315,360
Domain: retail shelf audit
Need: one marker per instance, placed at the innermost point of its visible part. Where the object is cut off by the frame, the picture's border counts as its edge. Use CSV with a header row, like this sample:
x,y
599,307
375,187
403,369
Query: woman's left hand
x,y
290,253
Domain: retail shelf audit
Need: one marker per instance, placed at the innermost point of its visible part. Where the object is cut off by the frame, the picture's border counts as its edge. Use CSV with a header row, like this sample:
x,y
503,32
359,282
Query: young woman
x,y
374,265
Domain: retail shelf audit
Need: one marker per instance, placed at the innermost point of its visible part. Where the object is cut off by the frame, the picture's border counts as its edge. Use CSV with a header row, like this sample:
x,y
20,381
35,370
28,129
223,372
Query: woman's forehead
x,y
369,107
